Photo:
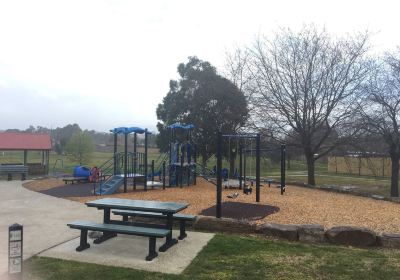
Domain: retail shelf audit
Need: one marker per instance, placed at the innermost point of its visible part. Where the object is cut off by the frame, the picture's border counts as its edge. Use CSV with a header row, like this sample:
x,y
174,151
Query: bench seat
x,y
14,169
73,180
182,218
114,229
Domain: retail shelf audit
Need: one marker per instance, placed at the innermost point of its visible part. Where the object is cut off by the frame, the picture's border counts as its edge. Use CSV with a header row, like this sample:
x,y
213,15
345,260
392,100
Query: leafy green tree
x,y
80,148
61,136
202,97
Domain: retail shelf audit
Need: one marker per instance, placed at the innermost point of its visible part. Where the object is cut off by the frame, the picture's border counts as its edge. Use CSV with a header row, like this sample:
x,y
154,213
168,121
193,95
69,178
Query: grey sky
x,y
104,64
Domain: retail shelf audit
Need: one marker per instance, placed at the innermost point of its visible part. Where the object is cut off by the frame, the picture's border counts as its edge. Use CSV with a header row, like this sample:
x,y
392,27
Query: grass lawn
x,y
238,257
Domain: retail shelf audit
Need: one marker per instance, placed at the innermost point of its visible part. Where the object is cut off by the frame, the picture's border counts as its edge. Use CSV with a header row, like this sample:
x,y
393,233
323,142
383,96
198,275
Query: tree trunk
x,y
394,182
310,169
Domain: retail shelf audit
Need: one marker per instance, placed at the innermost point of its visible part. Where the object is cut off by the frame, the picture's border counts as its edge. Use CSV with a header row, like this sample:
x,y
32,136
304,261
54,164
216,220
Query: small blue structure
x,y
81,171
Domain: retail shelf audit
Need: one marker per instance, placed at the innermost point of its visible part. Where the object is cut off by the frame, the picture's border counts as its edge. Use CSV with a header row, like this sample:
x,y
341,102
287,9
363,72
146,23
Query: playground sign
x,y
15,243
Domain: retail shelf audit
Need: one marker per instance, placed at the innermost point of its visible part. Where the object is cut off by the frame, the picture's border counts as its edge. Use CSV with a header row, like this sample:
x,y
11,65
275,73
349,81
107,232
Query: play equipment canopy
x,y
128,130
178,125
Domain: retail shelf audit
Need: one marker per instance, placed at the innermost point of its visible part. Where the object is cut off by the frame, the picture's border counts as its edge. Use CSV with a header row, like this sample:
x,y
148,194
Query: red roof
x,y
24,141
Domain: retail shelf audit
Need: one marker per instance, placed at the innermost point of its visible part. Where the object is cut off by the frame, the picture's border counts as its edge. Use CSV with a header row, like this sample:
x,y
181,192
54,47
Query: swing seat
x,y
247,190
234,195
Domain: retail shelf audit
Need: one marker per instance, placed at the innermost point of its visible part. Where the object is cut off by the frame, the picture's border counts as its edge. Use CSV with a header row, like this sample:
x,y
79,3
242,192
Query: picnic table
x,y
167,209
127,207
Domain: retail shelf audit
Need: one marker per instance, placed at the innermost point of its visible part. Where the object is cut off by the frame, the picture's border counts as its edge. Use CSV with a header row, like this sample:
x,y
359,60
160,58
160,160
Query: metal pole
x,y
219,178
125,162
283,175
163,168
195,164
145,159
25,157
244,172
152,170
258,168
189,160
181,171
135,159
240,166
115,152
48,161
170,159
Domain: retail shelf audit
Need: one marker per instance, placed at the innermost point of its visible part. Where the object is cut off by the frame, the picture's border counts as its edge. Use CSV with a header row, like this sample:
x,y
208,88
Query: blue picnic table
x,y
165,208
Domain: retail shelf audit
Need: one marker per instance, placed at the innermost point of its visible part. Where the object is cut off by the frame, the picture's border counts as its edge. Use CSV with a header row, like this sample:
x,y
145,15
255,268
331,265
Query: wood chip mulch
x,y
297,206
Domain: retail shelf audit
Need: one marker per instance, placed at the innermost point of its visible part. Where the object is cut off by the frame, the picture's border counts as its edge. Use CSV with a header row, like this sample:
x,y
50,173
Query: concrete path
x,y
130,251
44,219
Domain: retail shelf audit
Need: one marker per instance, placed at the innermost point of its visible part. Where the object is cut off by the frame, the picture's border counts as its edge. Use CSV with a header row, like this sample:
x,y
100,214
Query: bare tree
x,y
381,116
304,85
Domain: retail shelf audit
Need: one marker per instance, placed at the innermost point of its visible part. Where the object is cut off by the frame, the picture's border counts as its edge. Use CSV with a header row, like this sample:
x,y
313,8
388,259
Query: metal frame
x,y
127,131
282,148
219,165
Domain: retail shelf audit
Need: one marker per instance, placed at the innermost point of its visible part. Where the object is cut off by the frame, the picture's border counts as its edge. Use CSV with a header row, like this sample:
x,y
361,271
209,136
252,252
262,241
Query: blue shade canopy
x,y
178,125
127,130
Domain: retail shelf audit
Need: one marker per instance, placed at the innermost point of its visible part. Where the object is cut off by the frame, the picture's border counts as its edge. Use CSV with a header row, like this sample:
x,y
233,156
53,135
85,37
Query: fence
x,y
364,166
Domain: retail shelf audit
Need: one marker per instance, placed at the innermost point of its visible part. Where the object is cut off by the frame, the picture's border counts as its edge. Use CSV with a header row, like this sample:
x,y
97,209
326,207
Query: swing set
x,y
240,179
249,136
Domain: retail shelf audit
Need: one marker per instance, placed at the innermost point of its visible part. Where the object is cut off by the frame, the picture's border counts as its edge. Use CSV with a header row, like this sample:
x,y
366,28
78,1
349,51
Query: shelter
x,y
25,142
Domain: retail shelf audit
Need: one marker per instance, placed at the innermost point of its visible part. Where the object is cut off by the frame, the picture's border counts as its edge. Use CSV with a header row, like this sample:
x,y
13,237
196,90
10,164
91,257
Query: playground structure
x,y
182,168
182,156
124,166
133,166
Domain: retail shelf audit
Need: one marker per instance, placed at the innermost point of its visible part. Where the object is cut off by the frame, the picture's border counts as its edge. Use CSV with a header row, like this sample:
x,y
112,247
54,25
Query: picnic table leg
x,y
83,244
106,235
182,230
152,249
169,240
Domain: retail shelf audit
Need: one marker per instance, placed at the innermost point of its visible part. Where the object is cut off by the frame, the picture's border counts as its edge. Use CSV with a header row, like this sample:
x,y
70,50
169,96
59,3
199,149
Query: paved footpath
x,y
44,219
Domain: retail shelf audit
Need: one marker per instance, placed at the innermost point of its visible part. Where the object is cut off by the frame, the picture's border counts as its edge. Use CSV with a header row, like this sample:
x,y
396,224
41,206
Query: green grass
x,y
238,257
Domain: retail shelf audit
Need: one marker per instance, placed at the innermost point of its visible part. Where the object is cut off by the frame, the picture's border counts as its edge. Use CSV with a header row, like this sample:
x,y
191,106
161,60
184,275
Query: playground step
x,y
110,186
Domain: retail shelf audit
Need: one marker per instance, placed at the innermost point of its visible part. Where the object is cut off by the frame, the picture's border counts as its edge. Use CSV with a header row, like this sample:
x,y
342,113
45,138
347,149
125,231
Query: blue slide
x,y
110,186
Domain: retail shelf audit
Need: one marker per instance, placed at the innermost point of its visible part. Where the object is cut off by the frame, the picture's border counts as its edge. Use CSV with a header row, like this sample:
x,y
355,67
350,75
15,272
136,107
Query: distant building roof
x,y
24,141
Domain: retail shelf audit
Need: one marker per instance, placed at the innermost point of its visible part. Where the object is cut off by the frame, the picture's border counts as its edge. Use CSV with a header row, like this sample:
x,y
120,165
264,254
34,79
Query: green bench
x,y
14,169
73,180
182,218
152,233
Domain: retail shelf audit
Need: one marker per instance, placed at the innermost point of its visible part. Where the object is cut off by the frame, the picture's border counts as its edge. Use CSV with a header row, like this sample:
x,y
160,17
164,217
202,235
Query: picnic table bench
x,y
111,228
182,218
14,169
73,180
152,233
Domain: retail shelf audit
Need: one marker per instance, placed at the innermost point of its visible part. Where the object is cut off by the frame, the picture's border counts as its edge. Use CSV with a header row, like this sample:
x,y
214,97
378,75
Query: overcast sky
x,y
104,64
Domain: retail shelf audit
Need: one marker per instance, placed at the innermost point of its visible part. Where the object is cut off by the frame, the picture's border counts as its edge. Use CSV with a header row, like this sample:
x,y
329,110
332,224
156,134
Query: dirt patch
x,y
45,184
70,190
240,210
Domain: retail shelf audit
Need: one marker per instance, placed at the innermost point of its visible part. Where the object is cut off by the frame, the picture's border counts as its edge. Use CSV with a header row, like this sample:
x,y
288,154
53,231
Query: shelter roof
x,y
24,141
